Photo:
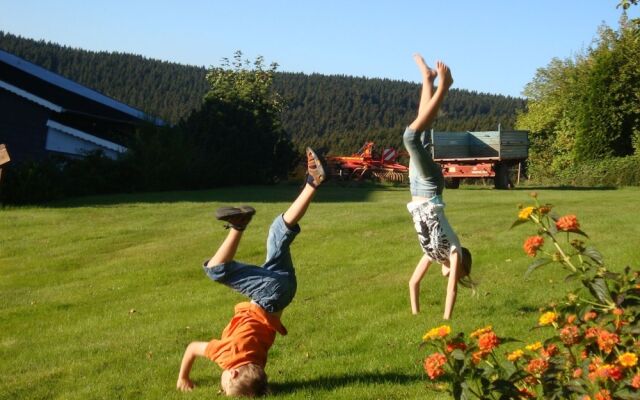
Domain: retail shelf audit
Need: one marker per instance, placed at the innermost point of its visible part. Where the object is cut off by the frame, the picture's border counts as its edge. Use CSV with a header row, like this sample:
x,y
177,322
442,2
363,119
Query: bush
x,y
616,171
56,177
592,351
31,182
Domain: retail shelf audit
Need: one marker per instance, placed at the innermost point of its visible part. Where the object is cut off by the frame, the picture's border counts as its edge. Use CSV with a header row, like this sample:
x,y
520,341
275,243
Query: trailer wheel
x,y
501,179
452,183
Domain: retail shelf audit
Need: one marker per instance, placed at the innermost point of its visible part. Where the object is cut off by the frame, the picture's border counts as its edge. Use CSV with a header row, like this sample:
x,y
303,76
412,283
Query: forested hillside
x,y
335,112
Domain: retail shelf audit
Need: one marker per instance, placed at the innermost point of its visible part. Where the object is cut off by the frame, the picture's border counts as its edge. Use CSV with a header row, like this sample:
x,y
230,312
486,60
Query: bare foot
x,y
427,73
444,73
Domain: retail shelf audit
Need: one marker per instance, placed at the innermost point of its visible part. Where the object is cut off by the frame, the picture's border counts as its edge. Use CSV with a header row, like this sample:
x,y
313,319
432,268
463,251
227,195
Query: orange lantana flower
x,y
433,365
544,209
603,394
606,371
569,335
635,382
455,345
537,366
532,245
607,340
549,351
568,223
477,356
488,341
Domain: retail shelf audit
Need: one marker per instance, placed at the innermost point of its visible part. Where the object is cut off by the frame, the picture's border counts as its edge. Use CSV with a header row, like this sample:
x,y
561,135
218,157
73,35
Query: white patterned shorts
x,y
436,237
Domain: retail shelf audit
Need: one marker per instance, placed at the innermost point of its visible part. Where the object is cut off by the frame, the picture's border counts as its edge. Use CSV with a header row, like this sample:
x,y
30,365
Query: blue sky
x,y
491,46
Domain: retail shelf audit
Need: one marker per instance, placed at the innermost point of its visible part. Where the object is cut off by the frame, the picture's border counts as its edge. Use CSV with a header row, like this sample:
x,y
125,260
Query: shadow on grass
x,y
330,193
331,382
573,188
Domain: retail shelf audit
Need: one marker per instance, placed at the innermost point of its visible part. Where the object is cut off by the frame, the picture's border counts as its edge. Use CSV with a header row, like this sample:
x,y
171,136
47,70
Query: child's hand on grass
x,y
184,384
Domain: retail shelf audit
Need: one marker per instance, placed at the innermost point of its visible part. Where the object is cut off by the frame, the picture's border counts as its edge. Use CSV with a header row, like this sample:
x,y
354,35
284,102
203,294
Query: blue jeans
x,y
271,286
425,175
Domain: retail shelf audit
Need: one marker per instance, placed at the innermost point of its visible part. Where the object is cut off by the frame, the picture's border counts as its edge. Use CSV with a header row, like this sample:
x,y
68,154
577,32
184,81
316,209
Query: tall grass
x,y
99,296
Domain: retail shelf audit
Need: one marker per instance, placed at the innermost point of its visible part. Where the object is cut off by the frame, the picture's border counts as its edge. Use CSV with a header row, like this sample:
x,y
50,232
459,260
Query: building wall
x,y
22,127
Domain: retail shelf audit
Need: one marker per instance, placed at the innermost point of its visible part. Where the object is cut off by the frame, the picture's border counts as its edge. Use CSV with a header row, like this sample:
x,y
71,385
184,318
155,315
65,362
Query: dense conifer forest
x,y
338,113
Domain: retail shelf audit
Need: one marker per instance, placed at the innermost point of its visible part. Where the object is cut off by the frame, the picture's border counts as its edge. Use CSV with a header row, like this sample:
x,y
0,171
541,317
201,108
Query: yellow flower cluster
x,y
480,331
628,359
515,355
440,331
534,346
548,318
525,213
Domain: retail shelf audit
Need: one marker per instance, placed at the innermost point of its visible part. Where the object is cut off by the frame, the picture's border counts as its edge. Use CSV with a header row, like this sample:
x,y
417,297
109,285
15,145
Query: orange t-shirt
x,y
246,339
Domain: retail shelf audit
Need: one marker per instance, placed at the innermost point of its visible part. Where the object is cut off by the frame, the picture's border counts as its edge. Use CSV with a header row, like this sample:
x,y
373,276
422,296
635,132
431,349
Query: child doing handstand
x,y
438,241
242,350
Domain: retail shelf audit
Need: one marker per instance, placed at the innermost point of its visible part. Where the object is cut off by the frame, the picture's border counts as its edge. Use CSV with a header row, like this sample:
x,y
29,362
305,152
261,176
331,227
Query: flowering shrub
x,y
592,350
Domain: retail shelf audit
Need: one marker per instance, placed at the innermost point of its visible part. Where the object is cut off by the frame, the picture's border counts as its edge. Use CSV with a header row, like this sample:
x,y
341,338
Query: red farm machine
x,y
462,155
365,164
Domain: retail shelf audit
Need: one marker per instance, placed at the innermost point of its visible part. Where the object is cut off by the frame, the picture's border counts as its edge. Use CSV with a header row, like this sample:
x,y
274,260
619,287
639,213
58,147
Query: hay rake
x,y
364,164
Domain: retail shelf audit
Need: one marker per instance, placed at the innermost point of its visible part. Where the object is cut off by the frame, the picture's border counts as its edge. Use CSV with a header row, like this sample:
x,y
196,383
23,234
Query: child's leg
x,y
429,105
222,268
227,249
421,163
280,237
428,76
237,219
283,231
298,208
315,176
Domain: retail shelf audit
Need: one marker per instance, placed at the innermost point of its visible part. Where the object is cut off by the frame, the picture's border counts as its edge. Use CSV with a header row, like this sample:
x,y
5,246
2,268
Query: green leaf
x,y
593,254
457,354
509,369
579,232
518,222
571,277
598,288
536,264
625,394
504,340
612,276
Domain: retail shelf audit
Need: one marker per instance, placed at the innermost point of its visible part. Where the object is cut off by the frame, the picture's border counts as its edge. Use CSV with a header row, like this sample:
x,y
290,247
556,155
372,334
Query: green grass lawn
x,y
99,296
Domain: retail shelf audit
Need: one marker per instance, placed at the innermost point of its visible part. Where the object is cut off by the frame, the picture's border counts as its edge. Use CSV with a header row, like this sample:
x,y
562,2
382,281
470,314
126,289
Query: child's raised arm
x,y
194,349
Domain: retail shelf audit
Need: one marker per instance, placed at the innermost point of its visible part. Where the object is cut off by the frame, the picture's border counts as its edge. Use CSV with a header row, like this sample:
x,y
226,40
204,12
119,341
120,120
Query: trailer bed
x,y
482,146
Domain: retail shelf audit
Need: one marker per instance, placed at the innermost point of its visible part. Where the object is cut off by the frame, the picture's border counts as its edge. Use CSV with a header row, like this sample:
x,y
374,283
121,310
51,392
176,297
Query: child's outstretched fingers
x,y
184,385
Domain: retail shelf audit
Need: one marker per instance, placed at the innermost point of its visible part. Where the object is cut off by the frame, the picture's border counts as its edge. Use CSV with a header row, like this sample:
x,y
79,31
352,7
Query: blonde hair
x,y
251,381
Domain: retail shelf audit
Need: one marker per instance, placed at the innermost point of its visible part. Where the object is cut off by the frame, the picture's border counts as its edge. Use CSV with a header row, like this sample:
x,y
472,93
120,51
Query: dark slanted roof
x,y
61,94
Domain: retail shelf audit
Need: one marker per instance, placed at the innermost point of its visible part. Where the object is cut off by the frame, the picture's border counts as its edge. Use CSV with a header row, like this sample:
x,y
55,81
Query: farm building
x,y
42,113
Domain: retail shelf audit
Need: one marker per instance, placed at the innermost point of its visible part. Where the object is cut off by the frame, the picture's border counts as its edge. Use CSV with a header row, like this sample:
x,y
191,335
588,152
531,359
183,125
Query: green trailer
x,y
484,154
